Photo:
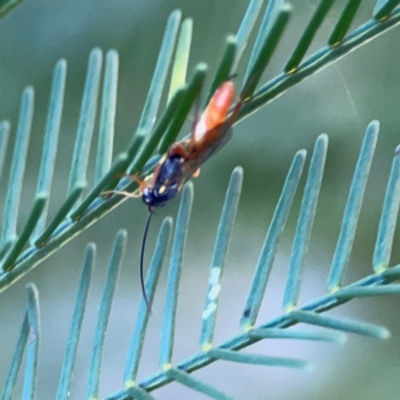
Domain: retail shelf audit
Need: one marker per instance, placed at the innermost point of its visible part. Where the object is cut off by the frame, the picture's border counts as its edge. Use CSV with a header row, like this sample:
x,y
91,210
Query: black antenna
x,y
146,230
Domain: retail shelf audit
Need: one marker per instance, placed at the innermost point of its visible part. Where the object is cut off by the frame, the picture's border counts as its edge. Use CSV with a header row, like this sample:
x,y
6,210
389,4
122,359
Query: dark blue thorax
x,y
167,183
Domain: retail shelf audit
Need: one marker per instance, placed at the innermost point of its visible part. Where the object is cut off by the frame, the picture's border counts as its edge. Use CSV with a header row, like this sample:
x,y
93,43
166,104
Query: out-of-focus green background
x,y
340,100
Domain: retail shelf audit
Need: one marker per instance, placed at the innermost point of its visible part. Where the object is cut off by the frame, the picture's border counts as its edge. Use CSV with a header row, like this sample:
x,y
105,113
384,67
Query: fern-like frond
x,y
376,284
323,57
155,131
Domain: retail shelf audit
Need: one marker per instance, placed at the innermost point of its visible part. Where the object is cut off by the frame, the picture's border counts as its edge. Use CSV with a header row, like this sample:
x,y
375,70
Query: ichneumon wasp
x,y
184,159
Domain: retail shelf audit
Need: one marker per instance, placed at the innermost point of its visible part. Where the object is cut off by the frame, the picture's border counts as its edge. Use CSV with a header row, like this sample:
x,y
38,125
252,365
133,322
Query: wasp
x,y
184,159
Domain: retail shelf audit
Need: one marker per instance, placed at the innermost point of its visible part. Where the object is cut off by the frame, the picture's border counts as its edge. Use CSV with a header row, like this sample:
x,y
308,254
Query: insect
x,y
184,159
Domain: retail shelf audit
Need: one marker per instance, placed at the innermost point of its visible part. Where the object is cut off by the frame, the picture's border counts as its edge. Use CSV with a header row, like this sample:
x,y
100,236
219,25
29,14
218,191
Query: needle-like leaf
x,y
15,183
32,351
76,324
34,216
4,136
50,141
107,116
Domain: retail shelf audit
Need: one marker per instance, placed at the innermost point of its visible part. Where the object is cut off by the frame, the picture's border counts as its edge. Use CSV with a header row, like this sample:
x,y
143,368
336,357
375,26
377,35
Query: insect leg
x,y
196,173
178,149
236,110
136,194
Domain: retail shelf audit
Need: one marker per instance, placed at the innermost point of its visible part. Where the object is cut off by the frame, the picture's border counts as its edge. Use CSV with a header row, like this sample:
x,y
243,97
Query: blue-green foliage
x,y
152,132
171,301
104,313
159,131
50,141
76,323
376,284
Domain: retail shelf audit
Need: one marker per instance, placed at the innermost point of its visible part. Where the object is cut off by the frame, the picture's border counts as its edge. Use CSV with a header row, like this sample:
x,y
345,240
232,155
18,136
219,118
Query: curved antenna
x,y
142,284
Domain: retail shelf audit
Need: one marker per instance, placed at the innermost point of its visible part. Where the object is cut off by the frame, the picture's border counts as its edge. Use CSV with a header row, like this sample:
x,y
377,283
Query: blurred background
x,y
340,100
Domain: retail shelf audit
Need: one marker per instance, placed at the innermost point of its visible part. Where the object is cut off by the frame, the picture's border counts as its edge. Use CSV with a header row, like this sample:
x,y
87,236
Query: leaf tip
x,y
176,13
42,196
307,367
238,170
286,8
122,234
96,52
61,64
32,289
302,153
231,39
91,246
375,125
202,67
384,334
323,137
5,125
29,92
112,52
341,338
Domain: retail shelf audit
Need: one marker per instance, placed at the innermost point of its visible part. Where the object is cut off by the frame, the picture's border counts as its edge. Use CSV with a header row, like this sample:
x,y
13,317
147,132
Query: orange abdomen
x,y
218,108
216,111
